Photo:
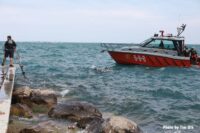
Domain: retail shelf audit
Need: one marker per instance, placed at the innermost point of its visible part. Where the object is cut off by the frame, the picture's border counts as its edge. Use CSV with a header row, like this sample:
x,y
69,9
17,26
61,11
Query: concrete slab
x,y
7,84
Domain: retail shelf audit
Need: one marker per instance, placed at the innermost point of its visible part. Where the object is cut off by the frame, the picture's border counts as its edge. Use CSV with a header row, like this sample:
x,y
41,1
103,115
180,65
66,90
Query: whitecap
x,y
101,69
93,67
162,68
64,92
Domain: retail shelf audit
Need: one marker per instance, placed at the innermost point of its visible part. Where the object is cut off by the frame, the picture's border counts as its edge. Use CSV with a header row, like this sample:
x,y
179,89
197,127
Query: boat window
x,y
144,43
162,44
168,44
154,44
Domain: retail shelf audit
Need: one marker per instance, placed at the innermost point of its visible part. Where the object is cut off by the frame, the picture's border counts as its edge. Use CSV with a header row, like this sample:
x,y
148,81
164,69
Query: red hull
x,y
149,60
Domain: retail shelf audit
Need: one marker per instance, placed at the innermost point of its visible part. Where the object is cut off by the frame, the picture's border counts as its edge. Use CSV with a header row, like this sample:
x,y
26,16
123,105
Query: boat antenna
x,y
181,29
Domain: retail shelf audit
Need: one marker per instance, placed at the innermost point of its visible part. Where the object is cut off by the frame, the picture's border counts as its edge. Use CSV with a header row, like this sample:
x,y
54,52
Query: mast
x,y
180,29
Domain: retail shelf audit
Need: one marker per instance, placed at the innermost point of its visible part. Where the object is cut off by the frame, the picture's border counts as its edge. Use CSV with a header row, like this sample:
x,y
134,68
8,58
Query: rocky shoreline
x,y
38,111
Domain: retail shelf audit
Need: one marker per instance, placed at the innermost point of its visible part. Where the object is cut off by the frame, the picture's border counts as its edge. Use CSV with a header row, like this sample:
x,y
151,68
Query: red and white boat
x,y
157,51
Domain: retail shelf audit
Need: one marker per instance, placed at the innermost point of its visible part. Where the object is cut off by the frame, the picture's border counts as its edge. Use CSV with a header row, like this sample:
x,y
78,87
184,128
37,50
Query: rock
x,y
117,124
22,95
45,97
21,110
81,112
29,130
28,96
44,127
16,125
95,126
90,121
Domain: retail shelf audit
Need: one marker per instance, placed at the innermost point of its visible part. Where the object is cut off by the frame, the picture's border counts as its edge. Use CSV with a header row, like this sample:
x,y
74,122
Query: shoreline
x,y
38,110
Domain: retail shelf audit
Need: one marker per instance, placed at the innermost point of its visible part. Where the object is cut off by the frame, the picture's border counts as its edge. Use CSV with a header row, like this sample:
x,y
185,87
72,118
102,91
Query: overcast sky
x,y
97,20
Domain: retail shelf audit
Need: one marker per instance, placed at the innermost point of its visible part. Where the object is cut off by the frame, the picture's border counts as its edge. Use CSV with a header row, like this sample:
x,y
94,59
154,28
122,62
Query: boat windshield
x,y
161,44
142,44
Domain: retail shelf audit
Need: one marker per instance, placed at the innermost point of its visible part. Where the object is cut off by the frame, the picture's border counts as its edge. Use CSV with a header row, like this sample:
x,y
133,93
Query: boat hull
x,y
147,59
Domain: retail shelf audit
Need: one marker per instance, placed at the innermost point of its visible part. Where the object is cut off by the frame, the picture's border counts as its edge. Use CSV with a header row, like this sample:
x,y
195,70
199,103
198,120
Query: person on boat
x,y
193,56
9,49
186,52
161,45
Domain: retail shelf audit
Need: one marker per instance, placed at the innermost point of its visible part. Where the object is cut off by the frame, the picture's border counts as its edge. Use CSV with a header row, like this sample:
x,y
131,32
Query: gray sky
x,y
97,20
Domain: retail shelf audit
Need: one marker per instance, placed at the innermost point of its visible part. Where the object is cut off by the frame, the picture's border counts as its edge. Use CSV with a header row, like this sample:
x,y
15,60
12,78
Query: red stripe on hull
x,y
162,61
156,61
147,60
170,62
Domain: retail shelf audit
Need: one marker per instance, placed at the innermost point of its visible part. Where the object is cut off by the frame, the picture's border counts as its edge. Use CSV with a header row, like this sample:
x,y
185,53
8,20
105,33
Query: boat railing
x,y
114,46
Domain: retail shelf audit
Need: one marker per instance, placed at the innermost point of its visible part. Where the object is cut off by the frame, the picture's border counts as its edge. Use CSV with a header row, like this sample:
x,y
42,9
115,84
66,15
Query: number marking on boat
x,y
140,58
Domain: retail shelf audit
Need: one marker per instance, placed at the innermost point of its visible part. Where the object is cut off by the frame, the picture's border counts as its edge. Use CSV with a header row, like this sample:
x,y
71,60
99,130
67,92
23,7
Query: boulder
x,y
95,126
45,97
28,96
22,95
117,124
30,130
44,127
21,110
81,112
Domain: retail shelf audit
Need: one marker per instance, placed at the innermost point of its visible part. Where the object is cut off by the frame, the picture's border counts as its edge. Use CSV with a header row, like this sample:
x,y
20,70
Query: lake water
x,y
152,97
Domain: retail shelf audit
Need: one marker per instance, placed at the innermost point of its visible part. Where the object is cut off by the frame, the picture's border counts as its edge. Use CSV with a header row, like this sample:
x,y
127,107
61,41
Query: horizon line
x,y
86,42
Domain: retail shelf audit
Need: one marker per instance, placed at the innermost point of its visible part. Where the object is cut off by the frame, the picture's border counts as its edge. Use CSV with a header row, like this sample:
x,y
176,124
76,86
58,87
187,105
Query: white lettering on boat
x,y
127,56
140,58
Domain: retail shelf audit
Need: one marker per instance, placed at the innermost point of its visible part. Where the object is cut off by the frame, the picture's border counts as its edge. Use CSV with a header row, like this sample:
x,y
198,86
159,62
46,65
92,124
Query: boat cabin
x,y
166,42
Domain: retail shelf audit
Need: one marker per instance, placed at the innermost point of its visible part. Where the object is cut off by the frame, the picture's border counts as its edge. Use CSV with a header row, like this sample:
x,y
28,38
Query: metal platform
x,y
6,83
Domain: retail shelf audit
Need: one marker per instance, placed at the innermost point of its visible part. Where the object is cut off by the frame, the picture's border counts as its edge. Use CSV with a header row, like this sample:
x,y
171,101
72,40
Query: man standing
x,y
9,49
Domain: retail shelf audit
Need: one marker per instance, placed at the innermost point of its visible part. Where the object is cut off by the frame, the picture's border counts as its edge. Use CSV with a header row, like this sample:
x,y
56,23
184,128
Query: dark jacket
x,y
10,45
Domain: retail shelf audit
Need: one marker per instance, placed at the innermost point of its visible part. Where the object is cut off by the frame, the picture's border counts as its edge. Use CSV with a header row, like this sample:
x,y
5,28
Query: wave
x,y
101,69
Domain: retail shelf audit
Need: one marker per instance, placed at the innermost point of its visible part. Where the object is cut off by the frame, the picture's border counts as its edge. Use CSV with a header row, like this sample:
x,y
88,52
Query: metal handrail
x,y
114,46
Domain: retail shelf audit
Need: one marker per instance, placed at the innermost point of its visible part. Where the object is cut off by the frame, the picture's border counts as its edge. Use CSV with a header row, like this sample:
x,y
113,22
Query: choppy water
x,y
152,97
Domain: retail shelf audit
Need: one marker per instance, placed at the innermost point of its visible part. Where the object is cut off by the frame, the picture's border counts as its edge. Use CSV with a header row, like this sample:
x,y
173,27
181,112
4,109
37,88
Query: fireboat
x,y
158,51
